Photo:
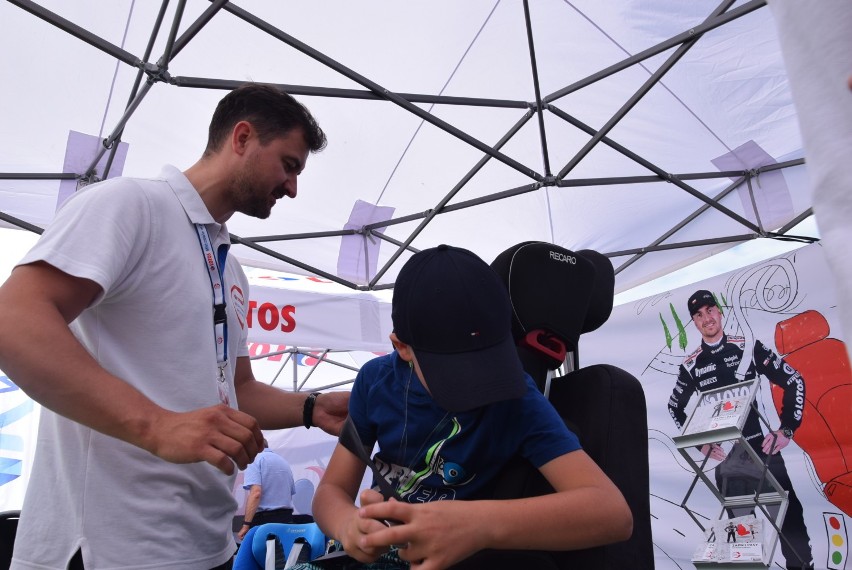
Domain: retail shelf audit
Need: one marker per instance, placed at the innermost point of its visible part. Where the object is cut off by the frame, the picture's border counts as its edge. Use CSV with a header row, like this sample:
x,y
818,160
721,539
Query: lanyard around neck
x,y
216,270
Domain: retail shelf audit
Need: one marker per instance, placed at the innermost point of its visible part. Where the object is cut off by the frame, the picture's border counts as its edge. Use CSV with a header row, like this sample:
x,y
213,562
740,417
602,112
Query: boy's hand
x,y
435,535
359,527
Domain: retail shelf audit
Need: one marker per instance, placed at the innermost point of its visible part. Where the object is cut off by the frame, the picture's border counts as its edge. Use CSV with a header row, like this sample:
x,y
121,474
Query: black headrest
x,y
603,292
550,288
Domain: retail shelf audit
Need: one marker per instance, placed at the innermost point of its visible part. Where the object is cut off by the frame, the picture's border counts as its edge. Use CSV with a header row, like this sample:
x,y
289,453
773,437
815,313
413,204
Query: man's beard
x,y
247,197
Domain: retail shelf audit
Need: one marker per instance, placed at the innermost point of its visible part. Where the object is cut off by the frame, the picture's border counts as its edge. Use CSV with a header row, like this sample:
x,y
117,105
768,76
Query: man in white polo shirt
x,y
150,405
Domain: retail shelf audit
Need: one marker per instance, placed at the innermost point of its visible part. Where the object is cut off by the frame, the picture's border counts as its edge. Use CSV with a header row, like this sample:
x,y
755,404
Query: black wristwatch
x,y
308,410
788,433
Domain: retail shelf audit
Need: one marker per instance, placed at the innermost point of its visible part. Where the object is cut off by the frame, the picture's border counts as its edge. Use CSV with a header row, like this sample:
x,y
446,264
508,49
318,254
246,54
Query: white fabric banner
x,y
788,304
310,312
293,320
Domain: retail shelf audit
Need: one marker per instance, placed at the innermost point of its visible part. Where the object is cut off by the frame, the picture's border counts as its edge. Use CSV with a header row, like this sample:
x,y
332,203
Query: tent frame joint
x,y
156,72
88,178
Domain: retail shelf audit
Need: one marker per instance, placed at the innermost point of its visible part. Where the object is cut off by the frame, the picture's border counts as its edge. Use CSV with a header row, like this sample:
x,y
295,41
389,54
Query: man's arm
x,y
36,304
776,369
278,409
252,502
683,390
586,510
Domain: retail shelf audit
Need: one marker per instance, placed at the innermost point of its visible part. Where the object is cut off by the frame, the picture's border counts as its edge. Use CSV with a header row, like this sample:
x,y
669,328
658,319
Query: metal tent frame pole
x,y
682,42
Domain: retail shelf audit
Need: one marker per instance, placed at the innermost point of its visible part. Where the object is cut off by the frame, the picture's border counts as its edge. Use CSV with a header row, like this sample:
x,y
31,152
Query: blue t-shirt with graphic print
x,y
430,454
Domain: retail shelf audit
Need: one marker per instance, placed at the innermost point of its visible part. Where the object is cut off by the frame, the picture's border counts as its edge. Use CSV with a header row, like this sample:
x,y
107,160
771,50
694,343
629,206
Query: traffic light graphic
x,y
838,541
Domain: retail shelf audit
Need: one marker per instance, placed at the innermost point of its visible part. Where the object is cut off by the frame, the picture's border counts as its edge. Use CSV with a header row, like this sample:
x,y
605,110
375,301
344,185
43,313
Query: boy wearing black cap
x,y
723,360
448,409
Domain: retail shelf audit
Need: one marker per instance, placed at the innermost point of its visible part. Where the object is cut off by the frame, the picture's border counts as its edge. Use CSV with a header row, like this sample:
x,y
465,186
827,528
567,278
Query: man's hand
x,y
219,435
242,532
774,442
330,411
713,451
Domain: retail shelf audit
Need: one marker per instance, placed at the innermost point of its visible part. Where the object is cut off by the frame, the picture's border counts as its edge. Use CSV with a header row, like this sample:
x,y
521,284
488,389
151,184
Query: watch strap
x,y
308,410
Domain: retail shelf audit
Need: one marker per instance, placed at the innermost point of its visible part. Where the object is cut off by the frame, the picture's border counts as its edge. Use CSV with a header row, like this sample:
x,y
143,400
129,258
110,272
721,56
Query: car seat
x,y
279,545
825,434
557,295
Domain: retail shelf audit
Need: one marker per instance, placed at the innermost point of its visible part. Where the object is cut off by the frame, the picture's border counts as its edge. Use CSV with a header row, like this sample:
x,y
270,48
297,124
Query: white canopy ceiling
x,y
632,127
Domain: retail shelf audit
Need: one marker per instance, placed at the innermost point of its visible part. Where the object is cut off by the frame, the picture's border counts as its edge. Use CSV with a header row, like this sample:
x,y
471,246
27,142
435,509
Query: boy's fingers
x,y
371,497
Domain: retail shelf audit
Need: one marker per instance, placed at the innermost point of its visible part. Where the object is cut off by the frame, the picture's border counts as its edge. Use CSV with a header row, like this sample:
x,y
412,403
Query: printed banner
x,y
779,320
310,312
18,430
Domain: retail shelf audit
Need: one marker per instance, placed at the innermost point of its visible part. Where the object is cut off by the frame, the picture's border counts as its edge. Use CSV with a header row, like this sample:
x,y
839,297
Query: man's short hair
x,y
699,299
272,112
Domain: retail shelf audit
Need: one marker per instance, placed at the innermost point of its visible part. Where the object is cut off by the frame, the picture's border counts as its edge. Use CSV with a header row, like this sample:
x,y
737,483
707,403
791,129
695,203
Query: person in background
x,y
270,489
149,401
444,408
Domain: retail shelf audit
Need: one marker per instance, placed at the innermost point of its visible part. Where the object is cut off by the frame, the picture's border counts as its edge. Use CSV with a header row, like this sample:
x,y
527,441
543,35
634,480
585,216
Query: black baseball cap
x,y
454,312
700,298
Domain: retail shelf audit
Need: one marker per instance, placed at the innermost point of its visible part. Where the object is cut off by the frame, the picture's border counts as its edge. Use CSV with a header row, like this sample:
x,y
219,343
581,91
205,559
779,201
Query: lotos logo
x,y
238,301
558,256
271,317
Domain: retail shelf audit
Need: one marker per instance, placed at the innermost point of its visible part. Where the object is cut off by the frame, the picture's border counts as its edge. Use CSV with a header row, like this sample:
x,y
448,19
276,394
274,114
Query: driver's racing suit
x,y
710,367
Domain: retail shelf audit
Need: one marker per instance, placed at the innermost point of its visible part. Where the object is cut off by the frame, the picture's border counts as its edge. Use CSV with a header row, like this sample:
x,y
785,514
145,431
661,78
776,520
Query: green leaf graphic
x,y
669,337
681,331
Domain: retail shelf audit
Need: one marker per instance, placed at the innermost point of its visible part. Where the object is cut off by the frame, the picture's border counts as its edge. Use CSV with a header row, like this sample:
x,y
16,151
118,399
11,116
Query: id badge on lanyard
x,y
215,263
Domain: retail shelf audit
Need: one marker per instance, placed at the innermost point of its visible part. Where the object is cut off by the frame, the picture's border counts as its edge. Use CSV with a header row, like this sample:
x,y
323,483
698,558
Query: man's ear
x,y
240,135
404,350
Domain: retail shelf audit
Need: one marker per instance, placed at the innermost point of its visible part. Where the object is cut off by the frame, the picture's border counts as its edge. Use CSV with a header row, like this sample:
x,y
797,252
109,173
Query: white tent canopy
x,y
656,132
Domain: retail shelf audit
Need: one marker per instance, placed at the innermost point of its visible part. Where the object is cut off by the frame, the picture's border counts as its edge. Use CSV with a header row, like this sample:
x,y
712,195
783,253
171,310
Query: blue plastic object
x,y
288,534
